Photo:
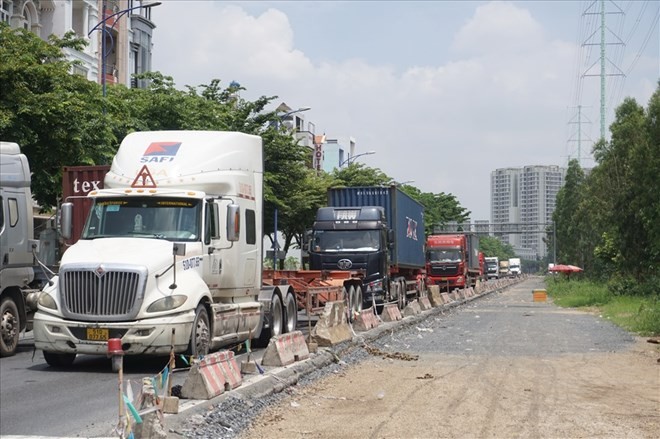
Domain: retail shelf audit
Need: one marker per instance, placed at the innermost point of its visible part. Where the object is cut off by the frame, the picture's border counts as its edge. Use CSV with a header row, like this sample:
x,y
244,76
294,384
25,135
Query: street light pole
x,y
354,157
104,30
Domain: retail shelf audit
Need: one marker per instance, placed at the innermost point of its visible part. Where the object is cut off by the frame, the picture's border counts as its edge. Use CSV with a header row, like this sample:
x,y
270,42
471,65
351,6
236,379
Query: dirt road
x,y
525,370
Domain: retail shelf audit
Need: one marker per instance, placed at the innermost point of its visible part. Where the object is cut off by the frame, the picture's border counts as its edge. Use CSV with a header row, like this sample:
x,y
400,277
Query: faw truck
x,y
452,260
19,289
376,232
493,267
172,242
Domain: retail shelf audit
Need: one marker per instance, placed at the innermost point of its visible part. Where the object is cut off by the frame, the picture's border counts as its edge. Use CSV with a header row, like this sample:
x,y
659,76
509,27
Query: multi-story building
x,y
118,33
336,153
522,201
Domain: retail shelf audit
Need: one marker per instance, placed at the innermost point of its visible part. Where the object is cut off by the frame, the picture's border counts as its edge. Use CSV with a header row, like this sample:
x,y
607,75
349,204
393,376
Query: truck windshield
x,y
491,264
342,240
443,255
165,218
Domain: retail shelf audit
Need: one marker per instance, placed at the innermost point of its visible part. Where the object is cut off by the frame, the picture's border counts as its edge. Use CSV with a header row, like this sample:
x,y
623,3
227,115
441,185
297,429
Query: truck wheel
x,y
10,327
275,323
291,312
359,298
351,303
394,291
59,360
423,292
403,298
200,337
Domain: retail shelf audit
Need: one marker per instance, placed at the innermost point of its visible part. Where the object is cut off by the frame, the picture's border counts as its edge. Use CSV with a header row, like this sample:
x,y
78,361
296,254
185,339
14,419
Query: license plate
x,y
443,278
97,334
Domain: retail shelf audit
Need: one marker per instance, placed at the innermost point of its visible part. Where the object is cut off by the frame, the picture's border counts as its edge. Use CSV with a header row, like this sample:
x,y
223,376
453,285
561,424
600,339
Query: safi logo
x,y
160,152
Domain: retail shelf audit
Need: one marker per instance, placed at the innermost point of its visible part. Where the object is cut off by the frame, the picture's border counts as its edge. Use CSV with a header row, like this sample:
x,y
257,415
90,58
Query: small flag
x,y
132,409
185,360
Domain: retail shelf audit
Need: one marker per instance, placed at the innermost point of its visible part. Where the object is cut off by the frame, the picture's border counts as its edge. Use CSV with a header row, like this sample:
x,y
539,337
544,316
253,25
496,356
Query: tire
x,y
394,291
351,303
10,327
290,313
200,336
423,292
403,298
276,323
59,360
359,298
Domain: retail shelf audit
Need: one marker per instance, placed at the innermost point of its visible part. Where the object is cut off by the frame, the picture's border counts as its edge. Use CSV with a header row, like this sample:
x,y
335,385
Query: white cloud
x,y
501,101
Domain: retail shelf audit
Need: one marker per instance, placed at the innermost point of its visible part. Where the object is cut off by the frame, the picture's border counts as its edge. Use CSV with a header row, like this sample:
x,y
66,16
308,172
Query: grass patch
x,y
638,314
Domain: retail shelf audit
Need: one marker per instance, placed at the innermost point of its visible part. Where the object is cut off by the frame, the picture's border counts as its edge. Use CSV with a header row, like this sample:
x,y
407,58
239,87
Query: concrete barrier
x,y
455,295
332,327
446,298
425,303
365,320
412,309
212,376
285,349
434,296
391,313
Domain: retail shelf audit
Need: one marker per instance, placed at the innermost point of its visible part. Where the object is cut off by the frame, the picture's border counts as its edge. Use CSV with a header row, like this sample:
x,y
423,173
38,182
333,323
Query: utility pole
x,y
603,43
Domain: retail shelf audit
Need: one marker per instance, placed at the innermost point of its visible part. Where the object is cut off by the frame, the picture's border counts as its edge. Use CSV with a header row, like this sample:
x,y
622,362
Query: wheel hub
x,y
8,326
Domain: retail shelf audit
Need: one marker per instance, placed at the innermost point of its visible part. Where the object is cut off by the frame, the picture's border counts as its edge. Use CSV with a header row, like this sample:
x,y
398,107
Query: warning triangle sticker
x,y
144,179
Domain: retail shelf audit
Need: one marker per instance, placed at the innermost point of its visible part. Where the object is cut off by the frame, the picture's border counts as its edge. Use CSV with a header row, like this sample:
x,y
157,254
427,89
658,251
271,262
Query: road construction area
x,y
501,366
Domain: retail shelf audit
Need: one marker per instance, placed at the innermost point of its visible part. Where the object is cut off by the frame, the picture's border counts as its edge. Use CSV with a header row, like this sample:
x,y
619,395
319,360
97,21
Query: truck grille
x,y
102,293
444,270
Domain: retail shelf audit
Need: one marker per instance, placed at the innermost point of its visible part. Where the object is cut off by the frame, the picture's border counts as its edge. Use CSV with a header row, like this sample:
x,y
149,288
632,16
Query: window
x,y
4,11
13,212
250,226
2,214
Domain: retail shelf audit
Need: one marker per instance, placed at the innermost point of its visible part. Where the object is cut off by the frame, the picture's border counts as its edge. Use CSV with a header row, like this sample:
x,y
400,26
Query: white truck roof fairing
x,y
194,160
14,167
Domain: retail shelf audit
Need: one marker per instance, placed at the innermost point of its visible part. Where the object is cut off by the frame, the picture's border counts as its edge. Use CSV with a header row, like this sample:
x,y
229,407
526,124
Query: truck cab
x,y
493,267
353,239
18,291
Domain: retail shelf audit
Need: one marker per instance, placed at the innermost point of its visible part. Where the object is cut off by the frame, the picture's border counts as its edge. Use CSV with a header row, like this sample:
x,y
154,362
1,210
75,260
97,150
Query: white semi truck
x,y
173,241
514,267
19,290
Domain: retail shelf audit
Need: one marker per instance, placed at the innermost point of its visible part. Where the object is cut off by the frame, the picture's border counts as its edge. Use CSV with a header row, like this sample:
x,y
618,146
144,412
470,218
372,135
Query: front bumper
x,y
148,336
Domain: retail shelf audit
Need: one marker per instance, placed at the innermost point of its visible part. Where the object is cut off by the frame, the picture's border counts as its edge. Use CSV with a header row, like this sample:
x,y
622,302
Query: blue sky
x,y
444,92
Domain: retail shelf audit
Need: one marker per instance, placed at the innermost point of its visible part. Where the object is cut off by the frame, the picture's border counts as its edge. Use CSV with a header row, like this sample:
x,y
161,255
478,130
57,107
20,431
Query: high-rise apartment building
x,y
522,201
122,47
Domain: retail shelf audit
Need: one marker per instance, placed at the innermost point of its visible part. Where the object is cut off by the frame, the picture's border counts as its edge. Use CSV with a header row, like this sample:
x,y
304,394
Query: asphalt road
x,y
79,401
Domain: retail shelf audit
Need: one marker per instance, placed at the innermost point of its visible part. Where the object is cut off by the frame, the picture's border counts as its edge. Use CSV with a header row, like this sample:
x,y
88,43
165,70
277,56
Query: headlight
x,y
47,301
167,303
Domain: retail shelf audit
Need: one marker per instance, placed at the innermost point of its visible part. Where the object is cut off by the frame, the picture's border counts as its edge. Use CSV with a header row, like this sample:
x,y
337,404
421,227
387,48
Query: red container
x,y
114,347
77,182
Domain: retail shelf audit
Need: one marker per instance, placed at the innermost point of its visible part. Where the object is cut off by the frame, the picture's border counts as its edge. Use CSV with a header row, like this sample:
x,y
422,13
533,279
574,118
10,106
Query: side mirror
x,y
66,218
233,222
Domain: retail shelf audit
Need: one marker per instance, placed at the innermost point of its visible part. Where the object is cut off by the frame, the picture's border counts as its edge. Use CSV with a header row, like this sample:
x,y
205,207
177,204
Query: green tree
x,y
56,117
358,174
493,247
566,219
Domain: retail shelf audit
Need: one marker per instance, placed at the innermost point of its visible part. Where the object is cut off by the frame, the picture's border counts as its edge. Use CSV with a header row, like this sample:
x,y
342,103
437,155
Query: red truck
x,y
452,260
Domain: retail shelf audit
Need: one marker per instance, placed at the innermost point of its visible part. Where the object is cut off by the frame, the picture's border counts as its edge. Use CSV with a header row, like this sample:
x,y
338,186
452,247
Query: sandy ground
x,y
589,395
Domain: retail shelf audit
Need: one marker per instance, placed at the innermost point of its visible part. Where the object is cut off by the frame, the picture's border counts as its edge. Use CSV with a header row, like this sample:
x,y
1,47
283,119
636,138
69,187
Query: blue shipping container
x,y
404,215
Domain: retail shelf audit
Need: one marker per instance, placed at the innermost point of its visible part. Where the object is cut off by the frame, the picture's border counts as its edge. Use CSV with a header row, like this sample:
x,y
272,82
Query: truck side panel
x,y
404,216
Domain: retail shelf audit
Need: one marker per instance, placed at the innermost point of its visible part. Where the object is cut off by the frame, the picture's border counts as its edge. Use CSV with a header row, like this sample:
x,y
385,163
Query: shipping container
x,y
405,217
77,182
